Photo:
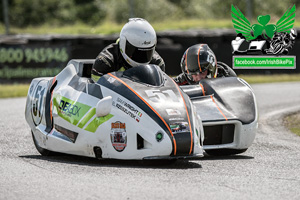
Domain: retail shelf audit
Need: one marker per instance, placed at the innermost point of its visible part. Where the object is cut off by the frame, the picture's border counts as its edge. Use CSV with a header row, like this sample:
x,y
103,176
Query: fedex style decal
x,y
68,108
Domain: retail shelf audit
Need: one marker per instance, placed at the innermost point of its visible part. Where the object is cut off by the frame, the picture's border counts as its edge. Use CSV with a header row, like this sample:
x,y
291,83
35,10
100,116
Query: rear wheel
x,y
42,151
224,152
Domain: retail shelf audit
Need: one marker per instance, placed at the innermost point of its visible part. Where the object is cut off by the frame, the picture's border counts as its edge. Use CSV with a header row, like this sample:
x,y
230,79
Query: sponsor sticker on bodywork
x,y
111,79
179,127
127,108
118,136
70,110
78,114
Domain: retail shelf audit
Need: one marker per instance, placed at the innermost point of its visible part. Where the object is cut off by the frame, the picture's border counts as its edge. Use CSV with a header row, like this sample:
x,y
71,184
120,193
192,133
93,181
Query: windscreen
x,y
148,74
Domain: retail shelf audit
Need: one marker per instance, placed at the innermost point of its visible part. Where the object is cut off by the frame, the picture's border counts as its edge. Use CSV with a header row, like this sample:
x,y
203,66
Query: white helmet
x,y
137,42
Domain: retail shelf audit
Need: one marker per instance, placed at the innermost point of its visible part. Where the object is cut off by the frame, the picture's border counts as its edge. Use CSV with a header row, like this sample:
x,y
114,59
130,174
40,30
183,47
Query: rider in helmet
x,y
136,46
199,62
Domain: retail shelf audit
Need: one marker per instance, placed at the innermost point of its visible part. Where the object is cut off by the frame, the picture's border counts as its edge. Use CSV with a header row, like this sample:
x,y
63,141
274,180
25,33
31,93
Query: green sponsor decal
x,y
75,112
87,118
267,62
70,110
92,127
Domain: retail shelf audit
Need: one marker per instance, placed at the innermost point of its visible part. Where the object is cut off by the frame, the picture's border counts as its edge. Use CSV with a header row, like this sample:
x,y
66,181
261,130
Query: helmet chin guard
x,y
137,42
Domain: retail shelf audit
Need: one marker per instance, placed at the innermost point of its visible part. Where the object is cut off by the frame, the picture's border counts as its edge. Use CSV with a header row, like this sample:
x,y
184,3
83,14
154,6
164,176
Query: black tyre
x,y
224,152
42,151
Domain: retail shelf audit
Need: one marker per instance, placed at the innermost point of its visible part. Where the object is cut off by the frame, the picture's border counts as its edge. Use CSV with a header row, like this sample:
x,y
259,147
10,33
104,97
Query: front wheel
x,y
224,152
42,151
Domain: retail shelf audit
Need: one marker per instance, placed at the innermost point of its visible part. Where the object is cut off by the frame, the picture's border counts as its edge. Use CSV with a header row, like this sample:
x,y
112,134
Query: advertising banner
x,y
27,61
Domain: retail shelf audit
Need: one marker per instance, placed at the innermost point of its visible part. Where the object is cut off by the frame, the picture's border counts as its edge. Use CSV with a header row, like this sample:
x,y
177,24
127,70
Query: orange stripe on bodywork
x,y
203,92
174,141
53,81
199,58
218,108
191,148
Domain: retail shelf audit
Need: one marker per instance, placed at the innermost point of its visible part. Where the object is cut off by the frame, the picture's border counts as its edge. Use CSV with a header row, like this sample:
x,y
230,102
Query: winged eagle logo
x,y
242,25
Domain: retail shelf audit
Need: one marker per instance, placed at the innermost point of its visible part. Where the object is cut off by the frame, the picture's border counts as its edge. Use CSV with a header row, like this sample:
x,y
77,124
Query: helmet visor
x,y
137,54
194,68
190,75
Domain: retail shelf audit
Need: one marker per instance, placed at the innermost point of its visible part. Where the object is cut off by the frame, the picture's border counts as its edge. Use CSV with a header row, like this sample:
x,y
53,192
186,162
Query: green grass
x,y
76,29
13,90
292,123
270,78
192,24
107,27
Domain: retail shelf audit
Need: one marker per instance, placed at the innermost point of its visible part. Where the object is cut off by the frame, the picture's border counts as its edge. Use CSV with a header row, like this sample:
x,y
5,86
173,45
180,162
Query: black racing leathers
x,y
110,59
223,71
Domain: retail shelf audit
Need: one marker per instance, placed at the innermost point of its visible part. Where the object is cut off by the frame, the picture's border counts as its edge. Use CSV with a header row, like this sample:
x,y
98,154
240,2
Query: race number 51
x,y
158,96
38,102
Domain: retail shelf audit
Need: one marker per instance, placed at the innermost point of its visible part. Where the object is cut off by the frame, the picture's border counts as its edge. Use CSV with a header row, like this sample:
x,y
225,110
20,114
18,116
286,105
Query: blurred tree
x,y
213,9
61,12
152,10
1,12
270,7
36,12
90,11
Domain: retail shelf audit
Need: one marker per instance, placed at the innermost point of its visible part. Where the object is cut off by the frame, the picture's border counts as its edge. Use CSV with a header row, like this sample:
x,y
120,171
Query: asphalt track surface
x,y
270,169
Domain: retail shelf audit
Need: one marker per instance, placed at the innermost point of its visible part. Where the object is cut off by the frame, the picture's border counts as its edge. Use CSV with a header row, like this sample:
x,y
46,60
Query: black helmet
x,y
197,59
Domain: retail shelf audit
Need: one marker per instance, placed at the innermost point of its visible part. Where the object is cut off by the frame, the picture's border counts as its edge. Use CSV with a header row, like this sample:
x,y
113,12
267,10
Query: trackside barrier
x,y
23,57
